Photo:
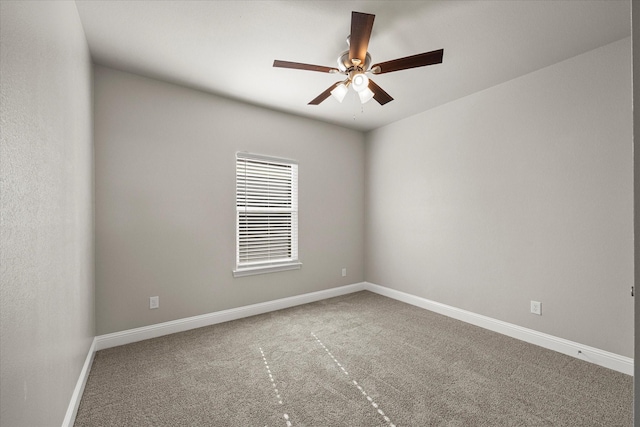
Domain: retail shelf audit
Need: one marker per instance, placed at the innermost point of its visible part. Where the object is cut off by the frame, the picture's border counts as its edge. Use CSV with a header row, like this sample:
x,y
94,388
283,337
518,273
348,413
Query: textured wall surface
x,y
46,237
520,192
165,201
635,20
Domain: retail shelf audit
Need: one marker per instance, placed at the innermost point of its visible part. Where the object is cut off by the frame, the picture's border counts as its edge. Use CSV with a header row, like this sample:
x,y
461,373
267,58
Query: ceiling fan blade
x,y
324,95
361,26
300,66
419,60
379,94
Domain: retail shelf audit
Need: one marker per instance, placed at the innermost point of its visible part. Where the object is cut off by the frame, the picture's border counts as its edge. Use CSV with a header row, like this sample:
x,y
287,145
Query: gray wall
x,y
46,237
520,192
165,201
635,35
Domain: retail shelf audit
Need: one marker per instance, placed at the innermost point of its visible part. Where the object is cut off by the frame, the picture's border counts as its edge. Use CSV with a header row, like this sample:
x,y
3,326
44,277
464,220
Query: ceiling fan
x,y
355,63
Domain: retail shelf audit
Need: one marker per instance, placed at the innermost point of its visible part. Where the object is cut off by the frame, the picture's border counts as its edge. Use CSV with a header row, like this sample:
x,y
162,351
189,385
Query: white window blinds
x,y
267,214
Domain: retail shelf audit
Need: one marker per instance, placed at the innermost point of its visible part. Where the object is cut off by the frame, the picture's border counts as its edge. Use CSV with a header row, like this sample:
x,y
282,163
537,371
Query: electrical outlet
x,y
154,302
536,307
344,272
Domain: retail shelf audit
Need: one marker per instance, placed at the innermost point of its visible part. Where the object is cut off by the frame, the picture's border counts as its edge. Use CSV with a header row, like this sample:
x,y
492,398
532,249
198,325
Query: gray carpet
x,y
356,360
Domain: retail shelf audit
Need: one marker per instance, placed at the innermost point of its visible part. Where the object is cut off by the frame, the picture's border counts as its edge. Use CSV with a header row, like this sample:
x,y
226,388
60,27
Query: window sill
x,y
250,271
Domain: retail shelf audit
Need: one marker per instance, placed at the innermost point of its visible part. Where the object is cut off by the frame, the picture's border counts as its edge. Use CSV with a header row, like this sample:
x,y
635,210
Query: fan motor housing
x,y
344,63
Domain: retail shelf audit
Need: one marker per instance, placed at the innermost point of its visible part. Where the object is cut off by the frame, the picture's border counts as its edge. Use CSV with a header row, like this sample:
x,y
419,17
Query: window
x,y
266,214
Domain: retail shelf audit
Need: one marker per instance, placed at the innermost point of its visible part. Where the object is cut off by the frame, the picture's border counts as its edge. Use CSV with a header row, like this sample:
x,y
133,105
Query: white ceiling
x,y
228,47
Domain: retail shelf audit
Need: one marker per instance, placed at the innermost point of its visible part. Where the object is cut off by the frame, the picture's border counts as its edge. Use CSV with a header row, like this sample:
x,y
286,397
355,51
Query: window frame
x,y
267,265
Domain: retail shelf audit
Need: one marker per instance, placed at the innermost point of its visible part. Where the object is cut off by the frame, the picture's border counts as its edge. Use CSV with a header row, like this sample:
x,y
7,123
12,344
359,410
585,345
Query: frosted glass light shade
x,y
365,95
360,82
339,92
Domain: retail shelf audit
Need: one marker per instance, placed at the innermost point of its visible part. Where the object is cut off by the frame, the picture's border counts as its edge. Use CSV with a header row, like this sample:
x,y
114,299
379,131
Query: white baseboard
x,y
590,354
180,325
74,403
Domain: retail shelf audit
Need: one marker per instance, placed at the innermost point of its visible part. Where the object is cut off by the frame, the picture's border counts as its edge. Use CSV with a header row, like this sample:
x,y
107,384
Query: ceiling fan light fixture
x,y
365,95
360,82
339,92
355,61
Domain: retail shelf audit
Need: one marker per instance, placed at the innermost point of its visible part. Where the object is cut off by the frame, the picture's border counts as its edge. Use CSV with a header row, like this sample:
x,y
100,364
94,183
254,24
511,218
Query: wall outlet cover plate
x,y
536,307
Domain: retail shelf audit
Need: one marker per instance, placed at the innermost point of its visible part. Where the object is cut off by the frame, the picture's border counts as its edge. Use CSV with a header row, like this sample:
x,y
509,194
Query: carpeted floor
x,y
356,360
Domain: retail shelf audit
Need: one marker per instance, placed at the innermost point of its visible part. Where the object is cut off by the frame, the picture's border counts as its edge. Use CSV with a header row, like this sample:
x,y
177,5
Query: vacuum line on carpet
x,y
355,383
273,385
